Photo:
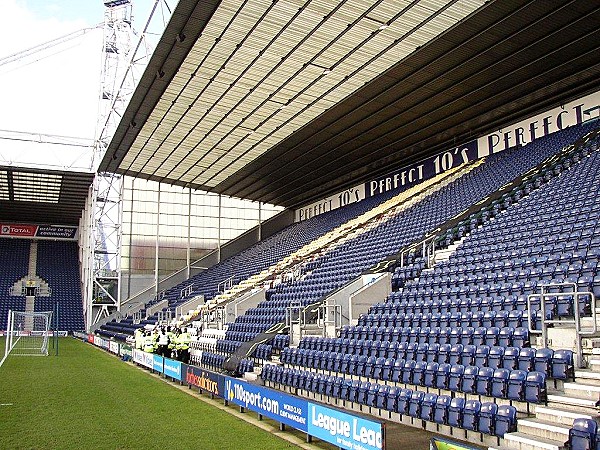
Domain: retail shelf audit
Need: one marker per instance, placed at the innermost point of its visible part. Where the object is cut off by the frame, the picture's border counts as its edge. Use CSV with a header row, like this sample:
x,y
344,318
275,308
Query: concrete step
x,y
544,428
571,403
582,390
561,416
588,376
522,441
594,363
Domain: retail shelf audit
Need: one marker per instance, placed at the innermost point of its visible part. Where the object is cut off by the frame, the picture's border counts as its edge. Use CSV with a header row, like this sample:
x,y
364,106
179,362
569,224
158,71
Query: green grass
x,y
88,399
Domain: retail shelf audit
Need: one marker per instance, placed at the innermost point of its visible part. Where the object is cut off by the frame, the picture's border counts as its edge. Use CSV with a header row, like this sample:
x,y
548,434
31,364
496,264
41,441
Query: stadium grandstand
x,y
345,216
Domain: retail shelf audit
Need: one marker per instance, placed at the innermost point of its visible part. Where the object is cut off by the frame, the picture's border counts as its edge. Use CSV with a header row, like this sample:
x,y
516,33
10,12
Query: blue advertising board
x,y
344,430
172,369
157,363
206,380
278,406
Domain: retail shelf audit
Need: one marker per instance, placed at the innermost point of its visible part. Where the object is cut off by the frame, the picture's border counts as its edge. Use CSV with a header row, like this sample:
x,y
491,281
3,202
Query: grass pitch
x,y
88,399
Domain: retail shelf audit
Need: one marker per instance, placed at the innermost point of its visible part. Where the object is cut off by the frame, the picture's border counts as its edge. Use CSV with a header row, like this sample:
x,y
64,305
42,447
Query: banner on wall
x,y
414,174
278,406
347,197
38,231
143,358
344,430
157,363
172,369
114,347
203,379
528,130
138,357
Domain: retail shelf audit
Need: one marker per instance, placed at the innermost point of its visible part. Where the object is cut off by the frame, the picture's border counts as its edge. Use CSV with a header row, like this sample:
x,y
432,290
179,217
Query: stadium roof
x,y
42,196
287,101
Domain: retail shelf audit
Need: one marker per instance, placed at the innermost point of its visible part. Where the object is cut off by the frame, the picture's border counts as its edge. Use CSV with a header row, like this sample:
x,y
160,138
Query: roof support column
x,y
259,221
219,232
189,233
156,289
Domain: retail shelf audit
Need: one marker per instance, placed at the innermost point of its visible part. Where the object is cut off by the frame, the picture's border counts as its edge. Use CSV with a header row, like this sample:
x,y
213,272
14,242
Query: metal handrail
x,y
323,316
225,284
186,290
575,321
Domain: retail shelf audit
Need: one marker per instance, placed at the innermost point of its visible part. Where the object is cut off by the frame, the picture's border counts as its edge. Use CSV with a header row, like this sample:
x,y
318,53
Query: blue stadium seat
x,y
526,360
414,404
582,436
487,418
469,379
455,412
510,360
373,394
483,382
442,377
521,337
403,401
407,371
444,353
337,387
543,360
432,352
482,355
396,375
500,383
562,365
506,420
418,373
496,357
441,411
353,391
492,336
391,401
430,374
345,389
428,406
470,420
535,388
516,385
455,380
467,357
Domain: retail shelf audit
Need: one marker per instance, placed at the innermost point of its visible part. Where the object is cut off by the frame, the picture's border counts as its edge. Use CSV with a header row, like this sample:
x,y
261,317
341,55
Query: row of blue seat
x,y
383,361
505,336
518,385
488,418
503,318
498,303
553,284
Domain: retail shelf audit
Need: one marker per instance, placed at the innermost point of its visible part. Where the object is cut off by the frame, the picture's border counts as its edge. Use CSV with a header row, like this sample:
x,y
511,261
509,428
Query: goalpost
x,y
27,333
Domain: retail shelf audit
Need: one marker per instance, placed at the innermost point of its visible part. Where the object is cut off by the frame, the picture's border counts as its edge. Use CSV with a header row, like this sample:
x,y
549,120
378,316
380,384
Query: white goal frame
x,y
27,333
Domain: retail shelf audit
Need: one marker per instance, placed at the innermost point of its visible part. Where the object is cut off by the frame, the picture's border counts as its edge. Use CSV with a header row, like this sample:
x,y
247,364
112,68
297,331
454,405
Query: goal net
x,y
27,333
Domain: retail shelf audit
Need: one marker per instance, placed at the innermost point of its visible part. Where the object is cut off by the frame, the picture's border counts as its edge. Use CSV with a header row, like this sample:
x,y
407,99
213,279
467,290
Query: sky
x,y
54,91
